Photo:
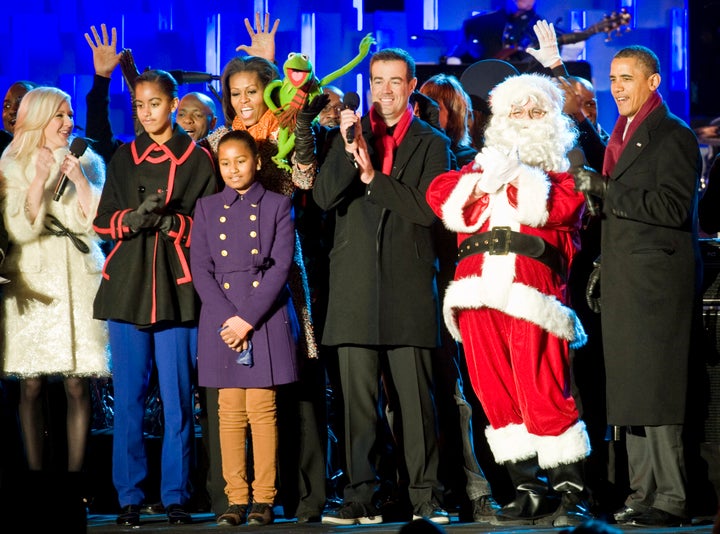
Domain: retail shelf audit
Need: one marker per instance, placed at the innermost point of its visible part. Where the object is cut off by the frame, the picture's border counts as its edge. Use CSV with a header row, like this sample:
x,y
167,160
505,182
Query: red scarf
x,y
617,143
387,144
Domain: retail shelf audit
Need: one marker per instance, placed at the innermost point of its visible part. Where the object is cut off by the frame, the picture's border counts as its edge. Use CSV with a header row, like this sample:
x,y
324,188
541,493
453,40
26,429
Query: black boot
x,y
531,495
568,480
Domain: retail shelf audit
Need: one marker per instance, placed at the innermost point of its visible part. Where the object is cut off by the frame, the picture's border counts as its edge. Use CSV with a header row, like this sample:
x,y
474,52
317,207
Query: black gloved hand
x,y
592,292
304,133
145,216
428,109
588,180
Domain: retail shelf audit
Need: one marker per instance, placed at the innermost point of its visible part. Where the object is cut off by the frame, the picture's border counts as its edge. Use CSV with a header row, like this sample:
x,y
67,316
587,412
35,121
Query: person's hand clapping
x,y
43,164
362,157
497,169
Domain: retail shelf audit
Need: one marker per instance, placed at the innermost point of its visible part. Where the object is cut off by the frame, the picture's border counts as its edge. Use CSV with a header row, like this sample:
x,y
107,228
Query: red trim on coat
x,y
105,275
153,308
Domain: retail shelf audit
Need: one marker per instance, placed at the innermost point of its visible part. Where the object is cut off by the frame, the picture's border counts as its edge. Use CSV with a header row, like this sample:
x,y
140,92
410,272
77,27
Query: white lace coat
x,y
47,324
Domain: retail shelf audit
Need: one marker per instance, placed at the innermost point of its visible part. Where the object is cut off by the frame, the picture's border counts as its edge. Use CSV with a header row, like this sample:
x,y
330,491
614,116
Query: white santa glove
x,y
549,53
497,168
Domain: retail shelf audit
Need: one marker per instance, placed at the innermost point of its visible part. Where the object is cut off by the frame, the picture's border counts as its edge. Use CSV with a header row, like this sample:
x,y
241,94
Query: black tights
x,y
32,421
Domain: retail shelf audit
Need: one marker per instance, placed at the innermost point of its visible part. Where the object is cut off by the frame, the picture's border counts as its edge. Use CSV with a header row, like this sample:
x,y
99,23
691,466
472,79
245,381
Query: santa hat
x,y
517,90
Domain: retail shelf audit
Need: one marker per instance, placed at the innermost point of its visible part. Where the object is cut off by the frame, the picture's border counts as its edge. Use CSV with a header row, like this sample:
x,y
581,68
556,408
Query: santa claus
x,y
517,216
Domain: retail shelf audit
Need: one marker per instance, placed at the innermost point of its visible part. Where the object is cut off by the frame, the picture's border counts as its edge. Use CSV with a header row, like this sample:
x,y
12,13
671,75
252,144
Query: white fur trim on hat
x,y
517,89
567,448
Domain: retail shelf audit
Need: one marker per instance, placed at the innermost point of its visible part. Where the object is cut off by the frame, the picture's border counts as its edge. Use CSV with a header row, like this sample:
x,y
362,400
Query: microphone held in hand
x,y
351,100
577,162
77,149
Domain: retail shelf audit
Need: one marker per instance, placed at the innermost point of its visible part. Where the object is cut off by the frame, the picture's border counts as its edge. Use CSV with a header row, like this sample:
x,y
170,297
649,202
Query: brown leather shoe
x,y
260,514
233,516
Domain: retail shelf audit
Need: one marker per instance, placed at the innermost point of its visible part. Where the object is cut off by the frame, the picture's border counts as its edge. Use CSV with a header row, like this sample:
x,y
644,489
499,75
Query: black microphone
x,y
191,76
577,161
351,100
77,149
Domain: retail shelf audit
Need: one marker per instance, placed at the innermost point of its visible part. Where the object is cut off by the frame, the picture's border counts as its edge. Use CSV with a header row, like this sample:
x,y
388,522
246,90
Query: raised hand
x,y
262,40
548,53
304,133
573,105
105,54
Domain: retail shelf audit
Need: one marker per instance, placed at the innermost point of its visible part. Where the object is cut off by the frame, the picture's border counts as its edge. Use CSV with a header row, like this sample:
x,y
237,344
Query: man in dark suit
x,y
650,281
383,301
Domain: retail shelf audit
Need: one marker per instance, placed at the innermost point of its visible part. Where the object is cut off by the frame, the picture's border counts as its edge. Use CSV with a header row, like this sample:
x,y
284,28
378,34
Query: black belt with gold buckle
x,y
501,240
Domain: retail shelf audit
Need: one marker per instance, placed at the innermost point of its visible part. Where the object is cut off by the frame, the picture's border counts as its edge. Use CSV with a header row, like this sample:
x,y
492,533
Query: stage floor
x,y
206,523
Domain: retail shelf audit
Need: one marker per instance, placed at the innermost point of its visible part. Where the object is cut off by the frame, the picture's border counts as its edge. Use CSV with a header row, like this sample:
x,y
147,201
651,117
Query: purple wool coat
x,y
240,256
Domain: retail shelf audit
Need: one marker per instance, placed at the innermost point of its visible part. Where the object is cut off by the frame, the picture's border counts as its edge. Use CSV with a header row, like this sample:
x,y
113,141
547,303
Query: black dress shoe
x,y
308,516
484,509
625,514
654,517
129,516
177,515
152,509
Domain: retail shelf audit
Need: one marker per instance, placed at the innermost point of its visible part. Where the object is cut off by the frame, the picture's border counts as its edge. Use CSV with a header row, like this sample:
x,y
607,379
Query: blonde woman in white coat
x,y
54,266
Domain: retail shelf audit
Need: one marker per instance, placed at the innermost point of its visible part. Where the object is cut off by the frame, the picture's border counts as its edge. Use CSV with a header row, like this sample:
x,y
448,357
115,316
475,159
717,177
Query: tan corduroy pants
x,y
240,408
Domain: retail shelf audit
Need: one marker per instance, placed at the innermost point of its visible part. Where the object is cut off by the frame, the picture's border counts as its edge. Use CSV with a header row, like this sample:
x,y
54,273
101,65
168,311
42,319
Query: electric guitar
x,y
615,22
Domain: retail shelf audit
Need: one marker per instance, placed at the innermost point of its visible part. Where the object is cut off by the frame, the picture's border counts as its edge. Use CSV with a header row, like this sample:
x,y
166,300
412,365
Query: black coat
x,y
146,276
383,262
650,272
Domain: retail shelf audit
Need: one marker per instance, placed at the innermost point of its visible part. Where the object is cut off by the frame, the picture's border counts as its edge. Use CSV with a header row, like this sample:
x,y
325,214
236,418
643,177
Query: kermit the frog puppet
x,y
287,97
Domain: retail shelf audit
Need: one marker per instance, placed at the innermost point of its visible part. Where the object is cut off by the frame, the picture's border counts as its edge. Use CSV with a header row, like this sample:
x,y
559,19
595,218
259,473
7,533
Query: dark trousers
x,y
302,428
210,458
410,370
657,471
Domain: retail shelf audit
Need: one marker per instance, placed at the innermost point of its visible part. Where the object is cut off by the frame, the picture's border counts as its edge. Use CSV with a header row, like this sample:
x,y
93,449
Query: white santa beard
x,y
540,143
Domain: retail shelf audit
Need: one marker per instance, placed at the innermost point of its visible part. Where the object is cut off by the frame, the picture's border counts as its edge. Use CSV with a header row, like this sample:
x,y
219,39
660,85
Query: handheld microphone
x,y
351,100
77,149
577,161
190,76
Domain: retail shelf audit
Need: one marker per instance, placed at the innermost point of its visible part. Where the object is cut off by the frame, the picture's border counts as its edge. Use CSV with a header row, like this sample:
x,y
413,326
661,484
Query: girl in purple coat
x,y
242,249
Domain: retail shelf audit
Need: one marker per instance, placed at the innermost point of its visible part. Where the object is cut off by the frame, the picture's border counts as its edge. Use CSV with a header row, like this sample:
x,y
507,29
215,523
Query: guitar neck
x,y
573,37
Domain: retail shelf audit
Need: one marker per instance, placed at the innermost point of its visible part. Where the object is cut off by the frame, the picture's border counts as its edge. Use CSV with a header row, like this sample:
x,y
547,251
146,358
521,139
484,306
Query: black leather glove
x,y
592,293
145,216
304,133
590,181
428,109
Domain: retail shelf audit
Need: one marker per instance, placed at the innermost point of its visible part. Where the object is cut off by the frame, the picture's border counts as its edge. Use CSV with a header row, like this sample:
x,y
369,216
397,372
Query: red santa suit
x,y
509,309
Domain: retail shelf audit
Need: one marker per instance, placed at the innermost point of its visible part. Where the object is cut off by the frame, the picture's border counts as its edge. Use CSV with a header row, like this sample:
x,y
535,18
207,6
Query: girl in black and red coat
x,y
147,295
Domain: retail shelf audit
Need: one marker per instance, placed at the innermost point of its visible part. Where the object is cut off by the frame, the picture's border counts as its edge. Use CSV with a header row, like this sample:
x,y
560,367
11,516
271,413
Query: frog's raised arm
x,y
364,48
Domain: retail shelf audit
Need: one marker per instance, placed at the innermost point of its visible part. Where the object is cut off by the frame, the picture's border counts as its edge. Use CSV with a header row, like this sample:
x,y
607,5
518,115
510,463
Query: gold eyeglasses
x,y
533,113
